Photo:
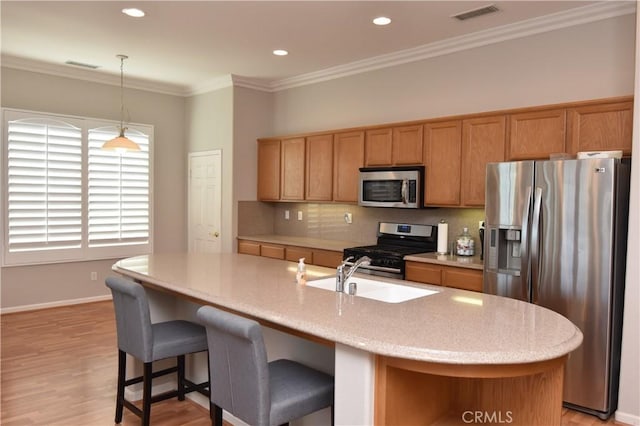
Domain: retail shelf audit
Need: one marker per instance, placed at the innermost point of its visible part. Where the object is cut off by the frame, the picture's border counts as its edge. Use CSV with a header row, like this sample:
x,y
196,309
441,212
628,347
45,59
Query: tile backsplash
x,y
327,220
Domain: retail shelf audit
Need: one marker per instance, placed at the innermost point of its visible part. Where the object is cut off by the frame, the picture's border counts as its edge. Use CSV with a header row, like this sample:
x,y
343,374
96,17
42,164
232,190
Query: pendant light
x,y
121,144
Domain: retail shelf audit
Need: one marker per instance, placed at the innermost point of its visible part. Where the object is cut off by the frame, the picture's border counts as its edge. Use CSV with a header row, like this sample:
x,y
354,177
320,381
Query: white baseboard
x,y
57,304
627,418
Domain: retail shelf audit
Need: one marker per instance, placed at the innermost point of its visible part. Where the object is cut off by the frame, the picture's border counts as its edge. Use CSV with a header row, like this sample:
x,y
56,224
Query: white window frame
x,y
84,253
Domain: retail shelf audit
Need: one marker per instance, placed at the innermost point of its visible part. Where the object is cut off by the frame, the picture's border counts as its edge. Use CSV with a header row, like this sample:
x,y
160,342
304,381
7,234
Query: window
x,y
66,199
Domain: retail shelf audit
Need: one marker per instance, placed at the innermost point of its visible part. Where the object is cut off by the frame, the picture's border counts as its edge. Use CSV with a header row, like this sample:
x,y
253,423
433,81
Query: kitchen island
x,y
432,359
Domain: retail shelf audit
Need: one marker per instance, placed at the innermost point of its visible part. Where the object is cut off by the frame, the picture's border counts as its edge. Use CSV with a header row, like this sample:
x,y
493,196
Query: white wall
x,y
583,62
590,61
629,403
46,284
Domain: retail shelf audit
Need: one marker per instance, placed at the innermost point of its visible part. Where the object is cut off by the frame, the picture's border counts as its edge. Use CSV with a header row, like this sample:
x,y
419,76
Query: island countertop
x,y
450,327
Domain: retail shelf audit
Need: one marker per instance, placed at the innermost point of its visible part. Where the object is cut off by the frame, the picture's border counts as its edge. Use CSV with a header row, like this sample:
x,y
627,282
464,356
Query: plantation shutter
x,y
44,186
118,191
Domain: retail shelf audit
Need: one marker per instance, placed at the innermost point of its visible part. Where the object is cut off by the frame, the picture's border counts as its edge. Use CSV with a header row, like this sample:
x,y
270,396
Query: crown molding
x,y
578,16
69,71
211,85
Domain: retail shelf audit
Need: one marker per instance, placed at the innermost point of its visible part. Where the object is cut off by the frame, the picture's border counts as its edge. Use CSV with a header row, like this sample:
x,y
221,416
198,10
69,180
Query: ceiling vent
x,y
463,16
82,65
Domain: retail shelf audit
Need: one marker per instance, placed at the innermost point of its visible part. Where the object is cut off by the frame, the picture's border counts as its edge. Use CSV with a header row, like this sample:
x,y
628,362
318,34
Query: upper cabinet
x,y
393,146
268,170
348,157
536,134
600,127
292,158
442,155
319,168
483,141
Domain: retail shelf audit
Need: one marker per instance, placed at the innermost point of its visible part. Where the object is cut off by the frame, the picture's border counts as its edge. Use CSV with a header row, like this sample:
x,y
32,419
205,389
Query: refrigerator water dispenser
x,y
504,250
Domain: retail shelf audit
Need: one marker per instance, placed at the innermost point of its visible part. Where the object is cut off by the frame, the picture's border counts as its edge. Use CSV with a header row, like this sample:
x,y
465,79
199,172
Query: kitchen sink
x,y
376,290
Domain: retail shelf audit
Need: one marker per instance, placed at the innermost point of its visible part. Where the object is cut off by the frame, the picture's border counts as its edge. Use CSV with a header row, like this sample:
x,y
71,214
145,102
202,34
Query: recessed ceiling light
x,y
382,20
280,52
133,12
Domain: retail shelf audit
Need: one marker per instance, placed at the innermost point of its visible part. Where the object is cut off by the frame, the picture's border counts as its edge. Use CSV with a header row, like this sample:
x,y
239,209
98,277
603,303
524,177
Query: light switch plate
x,y
299,214
348,217
286,214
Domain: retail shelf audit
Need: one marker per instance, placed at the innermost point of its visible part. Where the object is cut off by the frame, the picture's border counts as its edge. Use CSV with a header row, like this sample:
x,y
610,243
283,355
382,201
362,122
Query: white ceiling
x,y
184,46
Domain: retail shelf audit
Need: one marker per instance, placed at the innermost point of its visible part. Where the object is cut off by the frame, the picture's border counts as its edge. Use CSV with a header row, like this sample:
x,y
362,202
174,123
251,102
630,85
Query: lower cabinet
x,y
446,276
319,257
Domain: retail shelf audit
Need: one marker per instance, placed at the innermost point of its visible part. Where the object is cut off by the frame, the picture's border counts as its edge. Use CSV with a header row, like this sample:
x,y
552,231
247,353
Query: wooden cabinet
x,y
483,141
348,157
407,145
312,256
268,170
319,168
378,147
600,127
442,150
393,146
447,276
292,161
536,134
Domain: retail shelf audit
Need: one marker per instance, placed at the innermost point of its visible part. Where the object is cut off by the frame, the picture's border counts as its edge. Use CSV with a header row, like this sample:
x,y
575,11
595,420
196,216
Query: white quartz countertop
x,y
453,326
470,262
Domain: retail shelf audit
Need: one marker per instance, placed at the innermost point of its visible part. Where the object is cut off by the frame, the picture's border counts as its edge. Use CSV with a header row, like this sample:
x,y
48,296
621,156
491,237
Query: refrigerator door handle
x,y
535,245
524,242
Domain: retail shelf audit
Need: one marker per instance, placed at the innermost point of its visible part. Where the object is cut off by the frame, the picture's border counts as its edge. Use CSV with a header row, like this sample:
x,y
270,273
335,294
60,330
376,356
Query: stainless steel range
x,y
395,241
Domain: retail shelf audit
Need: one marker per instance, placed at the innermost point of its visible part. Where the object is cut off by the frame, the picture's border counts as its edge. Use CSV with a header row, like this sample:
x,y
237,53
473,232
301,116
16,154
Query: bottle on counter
x,y
301,274
465,246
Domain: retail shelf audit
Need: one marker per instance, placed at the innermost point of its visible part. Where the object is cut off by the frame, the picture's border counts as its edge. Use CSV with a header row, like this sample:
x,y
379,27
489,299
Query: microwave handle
x,y
405,191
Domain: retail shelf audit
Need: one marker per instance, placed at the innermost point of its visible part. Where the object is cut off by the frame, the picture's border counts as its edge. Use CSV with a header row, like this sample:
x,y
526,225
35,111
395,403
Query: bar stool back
x,y
148,342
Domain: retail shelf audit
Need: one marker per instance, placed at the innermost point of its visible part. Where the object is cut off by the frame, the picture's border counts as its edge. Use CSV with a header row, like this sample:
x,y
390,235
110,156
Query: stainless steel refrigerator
x,y
556,234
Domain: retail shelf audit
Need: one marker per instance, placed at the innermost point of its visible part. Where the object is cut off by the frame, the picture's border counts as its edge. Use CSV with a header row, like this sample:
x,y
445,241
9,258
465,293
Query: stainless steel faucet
x,y
344,271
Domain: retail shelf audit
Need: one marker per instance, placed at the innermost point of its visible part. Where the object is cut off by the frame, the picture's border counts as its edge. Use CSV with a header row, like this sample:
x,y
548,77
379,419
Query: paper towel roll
x,y
443,235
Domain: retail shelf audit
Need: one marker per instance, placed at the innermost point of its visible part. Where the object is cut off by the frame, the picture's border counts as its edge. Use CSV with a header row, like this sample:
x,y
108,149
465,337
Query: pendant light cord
x,y
122,128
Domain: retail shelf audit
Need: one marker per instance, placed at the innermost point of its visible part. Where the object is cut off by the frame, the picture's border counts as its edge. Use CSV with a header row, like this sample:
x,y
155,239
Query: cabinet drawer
x,y
295,253
465,279
249,247
273,251
422,273
327,258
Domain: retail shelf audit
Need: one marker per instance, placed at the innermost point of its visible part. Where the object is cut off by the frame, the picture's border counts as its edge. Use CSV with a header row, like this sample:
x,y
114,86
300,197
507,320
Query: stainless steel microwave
x,y
399,187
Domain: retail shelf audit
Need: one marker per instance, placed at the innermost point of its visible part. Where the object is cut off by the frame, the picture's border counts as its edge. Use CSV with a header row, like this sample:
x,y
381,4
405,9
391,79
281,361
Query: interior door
x,y
205,190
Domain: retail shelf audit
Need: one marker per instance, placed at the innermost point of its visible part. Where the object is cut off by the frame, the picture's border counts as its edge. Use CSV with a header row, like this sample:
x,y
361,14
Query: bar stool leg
x,y
146,393
180,377
122,371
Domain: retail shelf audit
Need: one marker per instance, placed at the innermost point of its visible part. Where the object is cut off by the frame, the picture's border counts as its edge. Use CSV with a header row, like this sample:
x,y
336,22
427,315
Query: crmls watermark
x,y
492,417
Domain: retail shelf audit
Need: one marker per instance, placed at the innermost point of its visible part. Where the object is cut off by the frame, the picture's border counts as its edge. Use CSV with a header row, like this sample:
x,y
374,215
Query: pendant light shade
x,y
121,144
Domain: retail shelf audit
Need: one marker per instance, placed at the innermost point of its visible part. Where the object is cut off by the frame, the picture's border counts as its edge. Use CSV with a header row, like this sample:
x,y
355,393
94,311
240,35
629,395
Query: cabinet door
x,y
483,141
327,258
249,247
378,147
462,278
348,157
274,251
422,273
442,150
604,127
292,166
407,145
536,135
293,254
319,170
268,170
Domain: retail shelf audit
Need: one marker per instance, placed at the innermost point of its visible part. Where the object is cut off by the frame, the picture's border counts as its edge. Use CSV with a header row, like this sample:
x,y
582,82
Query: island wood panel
x,y
601,127
294,254
327,258
378,147
319,168
483,141
268,170
414,392
536,135
249,247
442,151
274,251
292,169
348,151
407,145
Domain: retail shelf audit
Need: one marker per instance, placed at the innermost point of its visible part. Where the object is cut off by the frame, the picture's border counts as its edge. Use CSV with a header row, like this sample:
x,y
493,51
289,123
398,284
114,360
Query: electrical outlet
x,y
286,214
299,214
348,218
94,276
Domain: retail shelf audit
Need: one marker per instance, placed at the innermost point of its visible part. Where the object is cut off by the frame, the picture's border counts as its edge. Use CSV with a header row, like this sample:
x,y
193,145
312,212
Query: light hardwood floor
x,y
58,367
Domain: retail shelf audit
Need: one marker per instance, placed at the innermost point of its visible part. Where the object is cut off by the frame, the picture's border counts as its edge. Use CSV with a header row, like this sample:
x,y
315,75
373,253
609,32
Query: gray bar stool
x,y
246,385
148,342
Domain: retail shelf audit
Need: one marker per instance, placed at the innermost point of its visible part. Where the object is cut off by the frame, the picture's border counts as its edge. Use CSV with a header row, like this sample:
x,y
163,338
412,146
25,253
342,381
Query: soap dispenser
x,y
301,274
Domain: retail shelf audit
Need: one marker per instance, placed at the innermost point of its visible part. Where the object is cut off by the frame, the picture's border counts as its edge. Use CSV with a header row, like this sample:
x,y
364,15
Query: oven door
x,y
390,187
